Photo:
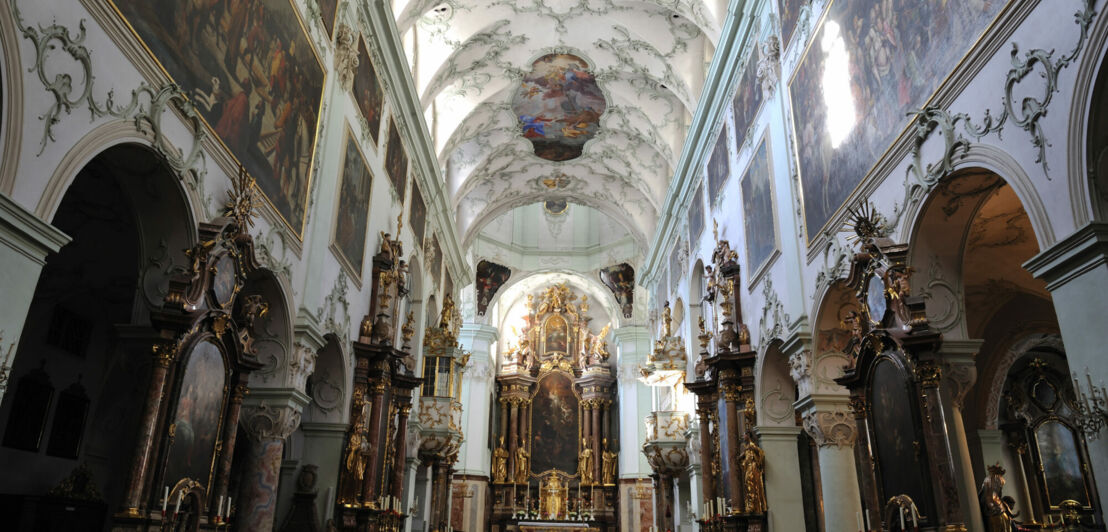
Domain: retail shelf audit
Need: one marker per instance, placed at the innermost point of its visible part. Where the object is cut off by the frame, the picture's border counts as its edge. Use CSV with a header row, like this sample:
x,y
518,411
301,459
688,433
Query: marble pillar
x,y
959,376
478,387
1076,271
783,488
164,354
267,426
831,425
632,347
25,242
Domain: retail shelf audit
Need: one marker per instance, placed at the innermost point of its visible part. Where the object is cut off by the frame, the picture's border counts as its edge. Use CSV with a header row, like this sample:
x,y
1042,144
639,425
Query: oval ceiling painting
x,y
559,105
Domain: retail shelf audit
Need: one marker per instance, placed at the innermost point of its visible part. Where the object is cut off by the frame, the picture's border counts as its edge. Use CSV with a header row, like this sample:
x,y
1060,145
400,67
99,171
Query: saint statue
x,y
551,498
998,515
608,467
522,464
667,321
584,464
753,464
500,463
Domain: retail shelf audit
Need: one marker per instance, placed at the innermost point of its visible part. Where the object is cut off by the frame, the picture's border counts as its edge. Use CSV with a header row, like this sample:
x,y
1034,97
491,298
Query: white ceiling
x,y
648,57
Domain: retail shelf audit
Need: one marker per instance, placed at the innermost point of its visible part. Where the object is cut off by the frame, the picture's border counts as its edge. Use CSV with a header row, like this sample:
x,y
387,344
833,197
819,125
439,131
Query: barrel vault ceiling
x,y
469,57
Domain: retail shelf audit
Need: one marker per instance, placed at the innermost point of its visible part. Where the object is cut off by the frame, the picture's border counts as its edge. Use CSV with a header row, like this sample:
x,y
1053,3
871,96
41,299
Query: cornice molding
x,y
25,233
1072,257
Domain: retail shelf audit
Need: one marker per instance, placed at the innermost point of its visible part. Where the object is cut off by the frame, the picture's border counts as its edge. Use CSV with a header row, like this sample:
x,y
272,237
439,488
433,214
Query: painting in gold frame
x,y
255,78
555,335
555,424
368,93
352,215
329,12
198,415
396,161
758,212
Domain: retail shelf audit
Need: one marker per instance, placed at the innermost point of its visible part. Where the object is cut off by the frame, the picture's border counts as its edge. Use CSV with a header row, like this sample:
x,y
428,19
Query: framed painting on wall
x,y
198,415
748,100
368,93
867,66
758,215
396,161
352,214
417,214
719,166
329,12
255,79
789,12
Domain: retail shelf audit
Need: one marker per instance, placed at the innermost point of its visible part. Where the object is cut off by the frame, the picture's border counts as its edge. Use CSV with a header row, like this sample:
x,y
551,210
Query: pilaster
x,y
782,476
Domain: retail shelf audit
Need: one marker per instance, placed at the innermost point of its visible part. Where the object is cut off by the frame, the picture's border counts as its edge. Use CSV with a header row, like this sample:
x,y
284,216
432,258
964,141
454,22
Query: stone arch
x,y
695,313
283,363
775,387
995,376
1088,124
11,105
329,383
829,339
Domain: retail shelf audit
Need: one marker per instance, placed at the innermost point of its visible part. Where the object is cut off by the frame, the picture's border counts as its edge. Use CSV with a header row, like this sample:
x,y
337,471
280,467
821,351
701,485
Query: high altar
x,y
554,466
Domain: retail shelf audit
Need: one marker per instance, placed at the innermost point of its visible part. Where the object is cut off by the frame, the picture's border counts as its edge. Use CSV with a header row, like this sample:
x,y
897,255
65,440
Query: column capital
x,y
630,333
477,332
272,414
1071,257
831,428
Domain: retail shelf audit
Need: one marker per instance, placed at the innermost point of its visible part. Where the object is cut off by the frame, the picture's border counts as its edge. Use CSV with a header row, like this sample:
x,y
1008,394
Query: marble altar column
x,y
597,453
513,436
731,399
230,433
267,427
504,421
400,456
376,434
163,357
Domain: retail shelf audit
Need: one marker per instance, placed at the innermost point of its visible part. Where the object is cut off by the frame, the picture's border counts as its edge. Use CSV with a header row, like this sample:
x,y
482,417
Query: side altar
x,y
555,464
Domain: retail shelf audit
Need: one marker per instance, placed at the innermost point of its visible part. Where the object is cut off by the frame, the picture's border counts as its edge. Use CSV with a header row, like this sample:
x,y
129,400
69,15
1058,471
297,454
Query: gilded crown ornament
x,y
242,200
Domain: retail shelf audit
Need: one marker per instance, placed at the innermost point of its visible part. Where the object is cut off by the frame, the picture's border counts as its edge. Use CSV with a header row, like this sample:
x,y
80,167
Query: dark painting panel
x,y
368,92
895,436
620,279
417,214
559,105
68,430
329,10
675,273
396,161
1061,463
255,79
790,12
353,210
490,277
197,418
718,166
696,214
757,187
436,261
748,99
869,64
554,424
30,407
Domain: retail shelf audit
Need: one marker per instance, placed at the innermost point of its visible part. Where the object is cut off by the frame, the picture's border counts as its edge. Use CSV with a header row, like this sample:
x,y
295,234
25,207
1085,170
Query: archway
x,y
85,348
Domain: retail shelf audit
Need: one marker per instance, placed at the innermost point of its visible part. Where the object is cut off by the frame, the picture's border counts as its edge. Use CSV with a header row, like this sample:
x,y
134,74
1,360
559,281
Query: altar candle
x,y
165,499
866,522
219,507
858,515
901,512
914,525
228,514
180,495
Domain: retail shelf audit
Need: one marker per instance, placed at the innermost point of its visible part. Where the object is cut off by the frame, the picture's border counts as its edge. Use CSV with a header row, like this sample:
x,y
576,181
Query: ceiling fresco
x,y
588,97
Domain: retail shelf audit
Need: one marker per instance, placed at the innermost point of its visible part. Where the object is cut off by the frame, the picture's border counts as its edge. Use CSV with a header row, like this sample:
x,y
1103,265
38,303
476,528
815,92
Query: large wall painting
x,y
329,11
718,166
417,214
789,11
696,214
867,66
554,425
748,100
396,161
555,336
352,214
490,277
368,92
559,105
758,219
199,407
620,279
256,81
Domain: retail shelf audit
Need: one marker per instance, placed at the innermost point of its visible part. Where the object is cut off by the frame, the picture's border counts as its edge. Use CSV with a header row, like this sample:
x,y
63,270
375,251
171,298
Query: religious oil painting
x,y
436,260
352,213
197,418
748,100
894,435
620,279
368,92
255,79
867,66
559,105
417,213
718,166
1062,476
696,214
396,161
329,10
490,277
789,11
758,219
554,419
556,335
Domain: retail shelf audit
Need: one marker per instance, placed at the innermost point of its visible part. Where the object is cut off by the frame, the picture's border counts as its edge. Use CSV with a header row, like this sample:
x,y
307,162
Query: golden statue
x,y
552,495
608,466
753,463
522,464
998,516
500,463
584,463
